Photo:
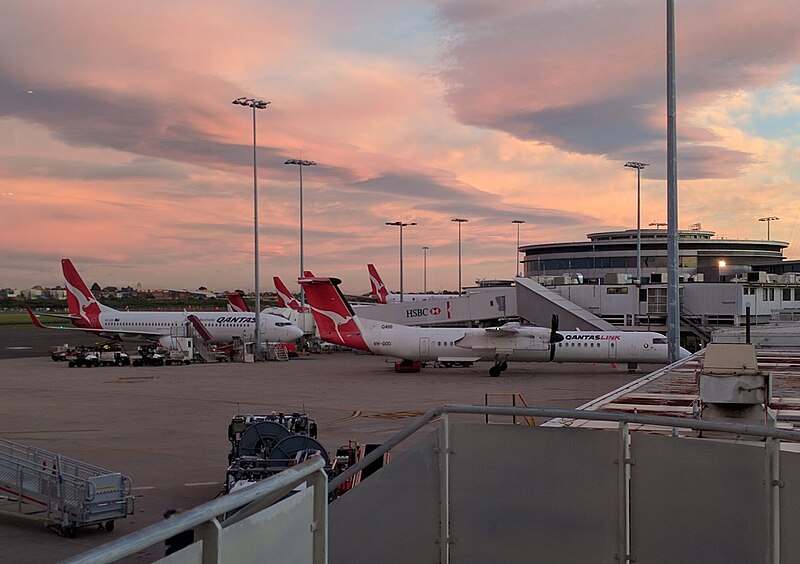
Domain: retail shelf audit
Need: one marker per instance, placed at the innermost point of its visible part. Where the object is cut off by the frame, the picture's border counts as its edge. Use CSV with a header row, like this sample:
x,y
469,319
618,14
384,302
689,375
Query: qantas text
x,y
592,337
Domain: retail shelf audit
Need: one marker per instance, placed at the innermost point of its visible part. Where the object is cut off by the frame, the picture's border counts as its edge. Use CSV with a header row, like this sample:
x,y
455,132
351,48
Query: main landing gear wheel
x,y
499,367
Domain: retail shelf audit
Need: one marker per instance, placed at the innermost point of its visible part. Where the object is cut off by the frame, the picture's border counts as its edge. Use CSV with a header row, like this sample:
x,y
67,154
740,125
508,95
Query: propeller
x,y
555,336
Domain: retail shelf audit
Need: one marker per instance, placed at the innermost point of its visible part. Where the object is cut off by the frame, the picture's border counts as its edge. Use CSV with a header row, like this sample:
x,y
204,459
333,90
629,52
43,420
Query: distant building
x,y
716,259
721,280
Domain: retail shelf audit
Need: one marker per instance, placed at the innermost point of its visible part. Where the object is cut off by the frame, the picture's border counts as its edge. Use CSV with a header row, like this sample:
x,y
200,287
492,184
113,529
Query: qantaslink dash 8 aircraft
x,y
512,342
89,315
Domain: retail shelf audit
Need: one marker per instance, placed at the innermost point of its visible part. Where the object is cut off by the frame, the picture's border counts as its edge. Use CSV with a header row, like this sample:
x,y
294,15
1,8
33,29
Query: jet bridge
x,y
537,304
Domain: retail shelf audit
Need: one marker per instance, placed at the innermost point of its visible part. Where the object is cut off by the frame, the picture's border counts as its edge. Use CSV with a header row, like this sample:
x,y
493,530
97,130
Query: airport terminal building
x,y
702,256
720,279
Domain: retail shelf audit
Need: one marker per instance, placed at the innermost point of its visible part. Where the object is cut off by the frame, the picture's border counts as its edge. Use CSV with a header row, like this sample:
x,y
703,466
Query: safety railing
x,y
772,436
204,519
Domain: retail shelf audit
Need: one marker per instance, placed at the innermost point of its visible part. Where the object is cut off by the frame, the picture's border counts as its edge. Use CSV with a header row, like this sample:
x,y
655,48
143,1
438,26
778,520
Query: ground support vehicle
x,y
60,492
114,358
148,355
263,445
84,357
59,352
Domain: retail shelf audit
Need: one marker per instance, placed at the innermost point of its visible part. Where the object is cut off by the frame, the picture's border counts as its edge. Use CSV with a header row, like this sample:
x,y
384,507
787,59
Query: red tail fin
x,y
379,291
83,307
285,297
236,301
335,319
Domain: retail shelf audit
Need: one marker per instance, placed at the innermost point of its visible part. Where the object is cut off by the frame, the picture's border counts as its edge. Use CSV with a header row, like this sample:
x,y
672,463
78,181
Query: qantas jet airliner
x,y
87,314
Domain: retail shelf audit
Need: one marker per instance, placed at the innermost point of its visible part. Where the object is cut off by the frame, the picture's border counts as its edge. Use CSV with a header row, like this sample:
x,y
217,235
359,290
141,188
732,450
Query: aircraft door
x,y
424,346
612,350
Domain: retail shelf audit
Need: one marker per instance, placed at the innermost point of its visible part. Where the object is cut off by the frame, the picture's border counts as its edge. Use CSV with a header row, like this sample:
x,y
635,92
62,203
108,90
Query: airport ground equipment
x,y
60,492
265,445
113,358
148,355
87,358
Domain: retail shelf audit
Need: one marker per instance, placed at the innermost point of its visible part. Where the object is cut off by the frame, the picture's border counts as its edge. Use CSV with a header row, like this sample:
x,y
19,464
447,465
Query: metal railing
x,y
204,518
549,413
770,434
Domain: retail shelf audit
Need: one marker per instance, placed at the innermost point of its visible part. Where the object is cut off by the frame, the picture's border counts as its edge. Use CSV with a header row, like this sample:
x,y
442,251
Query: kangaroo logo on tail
x,y
236,302
334,317
83,307
379,291
285,297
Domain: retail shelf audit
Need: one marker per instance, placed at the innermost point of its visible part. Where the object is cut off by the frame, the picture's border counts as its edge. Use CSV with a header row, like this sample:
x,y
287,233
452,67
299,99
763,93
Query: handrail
x,y
159,532
550,413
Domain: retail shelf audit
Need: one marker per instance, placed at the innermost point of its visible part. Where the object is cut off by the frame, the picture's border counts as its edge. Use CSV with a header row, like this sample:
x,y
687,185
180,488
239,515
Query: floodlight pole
x,y
256,105
768,220
300,164
516,255
673,252
459,220
425,269
638,166
400,224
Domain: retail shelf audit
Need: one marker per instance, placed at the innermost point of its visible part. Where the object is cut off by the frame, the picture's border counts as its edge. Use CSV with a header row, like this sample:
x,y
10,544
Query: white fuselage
x,y
526,344
223,326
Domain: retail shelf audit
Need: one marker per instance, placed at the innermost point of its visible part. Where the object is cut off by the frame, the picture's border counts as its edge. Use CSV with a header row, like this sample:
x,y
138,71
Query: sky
x,y
121,150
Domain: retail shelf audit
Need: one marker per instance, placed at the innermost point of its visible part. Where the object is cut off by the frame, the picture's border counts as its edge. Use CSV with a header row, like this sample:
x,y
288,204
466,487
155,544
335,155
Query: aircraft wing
x,y
507,329
59,315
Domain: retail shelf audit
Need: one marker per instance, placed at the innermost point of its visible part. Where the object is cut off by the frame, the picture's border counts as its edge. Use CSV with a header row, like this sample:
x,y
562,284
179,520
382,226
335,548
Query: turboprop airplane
x,y
338,324
383,296
89,315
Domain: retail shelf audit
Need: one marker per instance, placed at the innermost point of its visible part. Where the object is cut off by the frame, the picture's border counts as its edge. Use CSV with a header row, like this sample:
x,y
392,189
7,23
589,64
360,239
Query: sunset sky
x,y
121,150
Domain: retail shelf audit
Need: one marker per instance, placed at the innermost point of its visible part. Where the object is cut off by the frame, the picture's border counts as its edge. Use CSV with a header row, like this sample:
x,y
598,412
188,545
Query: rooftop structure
x,y
717,259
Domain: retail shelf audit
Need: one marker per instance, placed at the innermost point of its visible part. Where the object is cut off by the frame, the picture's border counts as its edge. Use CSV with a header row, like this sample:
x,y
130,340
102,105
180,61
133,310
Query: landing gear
x,y
499,367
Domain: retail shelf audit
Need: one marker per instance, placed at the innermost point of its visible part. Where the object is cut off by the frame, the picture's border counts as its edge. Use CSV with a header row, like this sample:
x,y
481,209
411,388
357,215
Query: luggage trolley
x,y
60,492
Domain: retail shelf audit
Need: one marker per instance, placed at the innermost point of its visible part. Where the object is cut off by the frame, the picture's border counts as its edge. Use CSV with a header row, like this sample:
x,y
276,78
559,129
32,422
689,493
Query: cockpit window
x,y
660,341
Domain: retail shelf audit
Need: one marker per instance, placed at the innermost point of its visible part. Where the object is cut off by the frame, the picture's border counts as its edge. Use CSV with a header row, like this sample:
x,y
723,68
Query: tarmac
x,y
166,427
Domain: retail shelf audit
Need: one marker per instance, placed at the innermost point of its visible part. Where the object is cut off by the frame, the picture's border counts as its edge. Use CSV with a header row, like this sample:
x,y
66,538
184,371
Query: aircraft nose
x,y
294,332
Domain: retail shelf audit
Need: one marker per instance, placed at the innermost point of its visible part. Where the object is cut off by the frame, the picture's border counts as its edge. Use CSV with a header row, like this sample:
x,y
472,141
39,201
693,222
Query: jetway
x,y
476,306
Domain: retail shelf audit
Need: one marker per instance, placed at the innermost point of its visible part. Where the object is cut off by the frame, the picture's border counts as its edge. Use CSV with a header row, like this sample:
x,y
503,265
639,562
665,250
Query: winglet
x,y
379,291
34,318
200,328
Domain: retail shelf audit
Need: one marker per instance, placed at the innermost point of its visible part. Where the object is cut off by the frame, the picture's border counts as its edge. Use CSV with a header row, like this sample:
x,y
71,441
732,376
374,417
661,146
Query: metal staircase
x,y
277,352
688,320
